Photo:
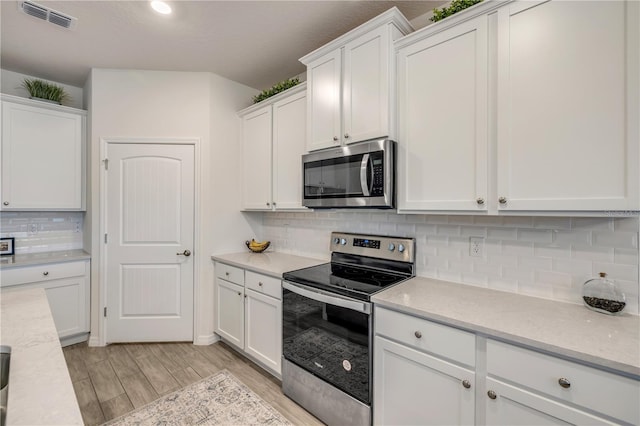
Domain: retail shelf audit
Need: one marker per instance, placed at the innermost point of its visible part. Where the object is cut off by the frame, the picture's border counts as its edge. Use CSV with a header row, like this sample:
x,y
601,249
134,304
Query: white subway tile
x,y
437,240
626,256
503,284
592,223
502,259
516,273
535,235
473,231
460,266
616,271
556,279
541,290
459,243
552,222
487,220
555,250
439,262
502,233
595,253
572,237
449,276
520,248
460,219
631,293
424,229
436,219
630,224
450,252
475,279
448,230
487,269
492,246
518,221
575,267
616,239
544,263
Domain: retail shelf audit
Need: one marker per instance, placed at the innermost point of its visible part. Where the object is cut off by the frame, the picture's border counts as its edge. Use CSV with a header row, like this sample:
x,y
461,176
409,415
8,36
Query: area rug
x,y
220,399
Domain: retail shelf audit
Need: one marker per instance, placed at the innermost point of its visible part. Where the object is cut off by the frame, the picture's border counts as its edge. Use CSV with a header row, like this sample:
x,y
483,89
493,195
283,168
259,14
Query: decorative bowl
x,y
257,247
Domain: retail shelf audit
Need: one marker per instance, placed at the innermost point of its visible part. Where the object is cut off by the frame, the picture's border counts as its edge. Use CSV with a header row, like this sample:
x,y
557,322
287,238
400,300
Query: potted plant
x,y
39,89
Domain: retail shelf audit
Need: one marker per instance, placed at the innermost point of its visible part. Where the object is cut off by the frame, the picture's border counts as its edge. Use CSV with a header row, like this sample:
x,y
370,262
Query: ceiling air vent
x,y
44,13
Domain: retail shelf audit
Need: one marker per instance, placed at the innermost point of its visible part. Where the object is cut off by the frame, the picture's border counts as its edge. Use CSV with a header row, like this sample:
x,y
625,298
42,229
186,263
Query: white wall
x,y
11,84
548,257
147,104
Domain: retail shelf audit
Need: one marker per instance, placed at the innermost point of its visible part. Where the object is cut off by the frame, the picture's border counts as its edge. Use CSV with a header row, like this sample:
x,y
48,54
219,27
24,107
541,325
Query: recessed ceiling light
x,y
161,7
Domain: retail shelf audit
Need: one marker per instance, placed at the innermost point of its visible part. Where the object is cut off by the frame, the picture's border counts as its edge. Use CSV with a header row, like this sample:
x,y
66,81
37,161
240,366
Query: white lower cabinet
x,y
420,372
554,391
249,314
67,288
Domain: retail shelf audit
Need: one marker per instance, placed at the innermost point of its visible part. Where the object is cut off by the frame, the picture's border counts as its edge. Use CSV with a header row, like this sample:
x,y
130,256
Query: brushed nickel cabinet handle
x,y
565,383
6,203
418,334
45,273
466,384
502,200
335,138
491,394
480,201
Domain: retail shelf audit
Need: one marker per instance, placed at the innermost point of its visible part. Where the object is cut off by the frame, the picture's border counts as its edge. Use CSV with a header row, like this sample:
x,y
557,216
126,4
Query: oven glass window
x,y
328,341
337,177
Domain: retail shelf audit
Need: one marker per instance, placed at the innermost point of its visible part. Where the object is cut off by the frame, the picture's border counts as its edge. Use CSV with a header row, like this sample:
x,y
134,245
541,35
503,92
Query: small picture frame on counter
x,y
7,246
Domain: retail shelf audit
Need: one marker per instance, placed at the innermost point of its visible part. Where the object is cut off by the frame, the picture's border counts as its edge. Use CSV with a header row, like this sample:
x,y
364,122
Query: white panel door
x,y
289,133
413,388
263,329
150,224
323,101
442,90
365,95
256,160
568,105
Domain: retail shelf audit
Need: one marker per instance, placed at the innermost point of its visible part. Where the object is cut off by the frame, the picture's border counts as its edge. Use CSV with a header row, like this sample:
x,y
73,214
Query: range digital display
x,y
366,243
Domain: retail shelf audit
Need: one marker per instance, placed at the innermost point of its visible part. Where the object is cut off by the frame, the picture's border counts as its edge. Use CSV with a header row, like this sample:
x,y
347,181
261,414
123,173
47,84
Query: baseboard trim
x,y
206,340
72,340
95,341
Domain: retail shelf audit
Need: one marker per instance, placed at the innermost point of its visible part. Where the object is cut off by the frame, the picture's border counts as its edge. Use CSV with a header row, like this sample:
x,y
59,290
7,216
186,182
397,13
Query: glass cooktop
x,y
352,281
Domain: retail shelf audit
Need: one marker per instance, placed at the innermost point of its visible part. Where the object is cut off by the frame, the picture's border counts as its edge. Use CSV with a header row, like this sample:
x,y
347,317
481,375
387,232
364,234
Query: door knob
x,y
184,253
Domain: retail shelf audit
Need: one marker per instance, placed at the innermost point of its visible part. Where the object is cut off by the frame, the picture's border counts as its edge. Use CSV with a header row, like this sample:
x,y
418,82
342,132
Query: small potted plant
x,y
41,90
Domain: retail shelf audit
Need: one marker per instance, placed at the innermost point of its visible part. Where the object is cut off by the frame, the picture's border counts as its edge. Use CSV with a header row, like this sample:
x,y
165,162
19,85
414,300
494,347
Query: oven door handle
x,y
364,165
330,299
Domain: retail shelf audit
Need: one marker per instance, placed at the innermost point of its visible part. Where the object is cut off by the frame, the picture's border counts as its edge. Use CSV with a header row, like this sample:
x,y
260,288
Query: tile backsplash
x,y
548,257
36,232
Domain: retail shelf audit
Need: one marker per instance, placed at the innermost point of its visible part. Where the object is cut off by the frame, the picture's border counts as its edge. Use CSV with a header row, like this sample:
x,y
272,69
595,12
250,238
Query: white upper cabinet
x,y
522,107
350,84
273,135
568,106
42,156
442,116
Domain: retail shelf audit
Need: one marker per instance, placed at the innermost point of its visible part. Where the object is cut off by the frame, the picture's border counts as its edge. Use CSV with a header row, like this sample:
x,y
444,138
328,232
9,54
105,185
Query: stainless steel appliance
x,y
357,175
327,320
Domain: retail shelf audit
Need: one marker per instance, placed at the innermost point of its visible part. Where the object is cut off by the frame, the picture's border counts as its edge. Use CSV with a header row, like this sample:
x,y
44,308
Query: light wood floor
x,y
113,380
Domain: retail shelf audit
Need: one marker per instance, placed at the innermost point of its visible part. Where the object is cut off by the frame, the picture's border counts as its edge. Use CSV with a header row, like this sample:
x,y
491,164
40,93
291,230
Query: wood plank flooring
x,y
114,380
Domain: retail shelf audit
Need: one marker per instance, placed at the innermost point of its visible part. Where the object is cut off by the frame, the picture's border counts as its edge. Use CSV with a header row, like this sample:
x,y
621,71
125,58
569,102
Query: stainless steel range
x,y
327,323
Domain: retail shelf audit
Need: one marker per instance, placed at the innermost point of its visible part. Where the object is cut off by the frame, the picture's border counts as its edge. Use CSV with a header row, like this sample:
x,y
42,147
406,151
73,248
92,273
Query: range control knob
x,y
392,247
343,242
400,248
336,240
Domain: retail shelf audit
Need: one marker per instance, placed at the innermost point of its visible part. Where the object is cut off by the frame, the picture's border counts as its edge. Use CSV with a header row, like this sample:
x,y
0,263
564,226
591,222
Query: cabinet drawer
x,y
39,273
604,392
264,284
230,273
448,342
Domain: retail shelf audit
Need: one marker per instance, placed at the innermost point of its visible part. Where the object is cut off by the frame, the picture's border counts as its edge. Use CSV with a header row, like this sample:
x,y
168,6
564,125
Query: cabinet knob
x,y
491,394
274,204
418,334
346,135
502,200
565,383
6,203
45,273
268,204
260,284
226,273
239,294
466,384
335,139
480,201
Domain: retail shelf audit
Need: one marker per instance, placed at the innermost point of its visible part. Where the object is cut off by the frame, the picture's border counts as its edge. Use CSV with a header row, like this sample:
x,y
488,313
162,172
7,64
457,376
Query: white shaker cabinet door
x,y
365,93
414,388
263,332
442,117
323,101
42,158
568,106
289,133
230,312
256,160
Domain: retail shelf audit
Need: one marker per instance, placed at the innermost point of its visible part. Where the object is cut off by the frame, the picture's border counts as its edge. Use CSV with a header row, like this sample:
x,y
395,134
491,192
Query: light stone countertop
x,y
40,389
269,263
569,330
43,258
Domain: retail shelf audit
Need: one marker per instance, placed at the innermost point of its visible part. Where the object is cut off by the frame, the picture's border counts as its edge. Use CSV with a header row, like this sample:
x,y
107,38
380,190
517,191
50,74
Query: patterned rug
x,y
220,399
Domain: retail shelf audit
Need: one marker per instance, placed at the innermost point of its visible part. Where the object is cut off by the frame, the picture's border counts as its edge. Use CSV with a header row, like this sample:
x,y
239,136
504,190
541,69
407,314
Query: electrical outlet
x,y
476,246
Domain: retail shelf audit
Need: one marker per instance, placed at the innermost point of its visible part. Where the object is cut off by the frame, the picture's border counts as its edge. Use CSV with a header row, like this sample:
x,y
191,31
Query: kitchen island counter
x,y
565,329
269,263
40,389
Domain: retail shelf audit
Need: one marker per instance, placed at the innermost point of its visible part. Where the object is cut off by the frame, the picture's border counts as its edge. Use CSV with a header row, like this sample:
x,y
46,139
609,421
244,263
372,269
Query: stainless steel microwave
x,y
357,175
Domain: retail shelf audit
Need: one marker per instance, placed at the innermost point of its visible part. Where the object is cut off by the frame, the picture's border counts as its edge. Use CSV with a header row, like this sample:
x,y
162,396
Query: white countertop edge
x,y
269,263
43,258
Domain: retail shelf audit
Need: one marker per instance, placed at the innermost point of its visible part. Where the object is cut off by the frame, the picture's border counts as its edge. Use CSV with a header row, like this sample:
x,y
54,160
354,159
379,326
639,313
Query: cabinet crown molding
x,y
300,87
391,16
40,104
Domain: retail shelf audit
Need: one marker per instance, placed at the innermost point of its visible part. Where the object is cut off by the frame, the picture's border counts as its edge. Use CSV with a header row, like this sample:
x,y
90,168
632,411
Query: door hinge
x,y
105,311
106,239
106,163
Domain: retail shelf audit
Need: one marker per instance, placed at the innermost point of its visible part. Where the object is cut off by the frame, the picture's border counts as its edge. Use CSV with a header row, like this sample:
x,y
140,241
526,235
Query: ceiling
x,y
257,43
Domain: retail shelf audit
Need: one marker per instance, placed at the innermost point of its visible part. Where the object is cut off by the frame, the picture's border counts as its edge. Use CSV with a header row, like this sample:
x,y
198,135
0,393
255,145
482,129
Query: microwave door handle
x,y
364,165
320,296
